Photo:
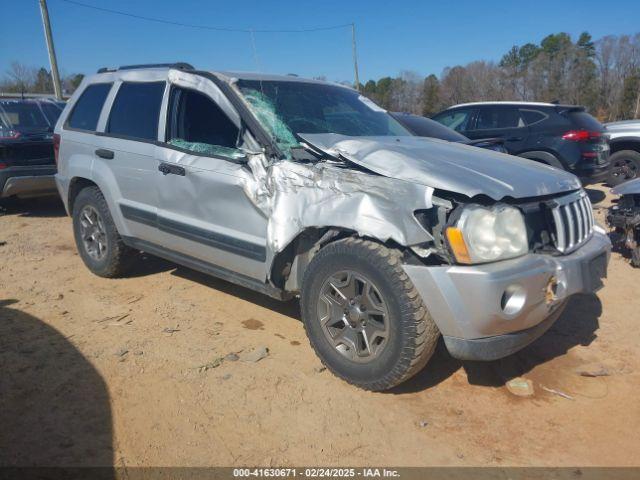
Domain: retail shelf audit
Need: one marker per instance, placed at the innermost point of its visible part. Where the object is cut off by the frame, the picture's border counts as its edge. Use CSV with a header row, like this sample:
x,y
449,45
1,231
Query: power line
x,y
205,27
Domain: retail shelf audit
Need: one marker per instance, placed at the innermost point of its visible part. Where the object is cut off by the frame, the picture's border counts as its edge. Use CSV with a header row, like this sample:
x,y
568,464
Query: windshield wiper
x,y
305,153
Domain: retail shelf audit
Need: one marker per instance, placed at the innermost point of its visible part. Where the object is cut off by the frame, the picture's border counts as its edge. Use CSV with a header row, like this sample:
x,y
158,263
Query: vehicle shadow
x,y
145,265
596,196
38,207
576,326
289,308
54,405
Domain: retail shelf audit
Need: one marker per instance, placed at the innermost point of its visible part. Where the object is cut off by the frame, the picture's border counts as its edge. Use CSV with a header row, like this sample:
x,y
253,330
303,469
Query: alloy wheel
x,y
354,316
93,233
625,169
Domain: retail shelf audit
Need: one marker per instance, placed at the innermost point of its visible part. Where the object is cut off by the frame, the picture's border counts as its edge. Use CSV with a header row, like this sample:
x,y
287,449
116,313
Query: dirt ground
x,y
129,372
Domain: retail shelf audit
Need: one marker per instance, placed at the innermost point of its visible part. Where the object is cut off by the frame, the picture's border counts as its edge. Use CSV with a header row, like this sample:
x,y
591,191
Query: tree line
x,y
21,78
603,75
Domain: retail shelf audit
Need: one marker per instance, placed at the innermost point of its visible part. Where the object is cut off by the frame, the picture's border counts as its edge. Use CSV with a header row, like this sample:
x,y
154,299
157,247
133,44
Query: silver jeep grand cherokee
x,y
296,187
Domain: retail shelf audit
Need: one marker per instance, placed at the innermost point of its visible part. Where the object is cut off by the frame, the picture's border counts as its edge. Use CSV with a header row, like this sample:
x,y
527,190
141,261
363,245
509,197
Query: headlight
x,y
485,234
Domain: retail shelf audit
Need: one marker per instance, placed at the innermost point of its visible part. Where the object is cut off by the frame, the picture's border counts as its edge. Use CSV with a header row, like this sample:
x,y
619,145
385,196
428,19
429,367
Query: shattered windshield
x,y
288,108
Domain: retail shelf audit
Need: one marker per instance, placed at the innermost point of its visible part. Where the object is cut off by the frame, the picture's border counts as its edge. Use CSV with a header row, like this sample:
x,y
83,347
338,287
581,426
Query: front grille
x,y
572,221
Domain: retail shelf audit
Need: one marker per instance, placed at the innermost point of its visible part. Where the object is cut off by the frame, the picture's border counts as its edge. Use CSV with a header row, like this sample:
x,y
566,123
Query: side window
x,y
136,110
457,120
86,111
493,118
533,116
196,123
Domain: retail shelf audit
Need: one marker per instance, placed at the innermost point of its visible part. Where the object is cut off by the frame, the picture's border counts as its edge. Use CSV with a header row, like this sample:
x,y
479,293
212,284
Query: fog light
x,y
513,299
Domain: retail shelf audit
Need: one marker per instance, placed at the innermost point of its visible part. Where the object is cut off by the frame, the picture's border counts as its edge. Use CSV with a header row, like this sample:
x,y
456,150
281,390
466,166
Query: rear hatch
x,y
26,135
589,135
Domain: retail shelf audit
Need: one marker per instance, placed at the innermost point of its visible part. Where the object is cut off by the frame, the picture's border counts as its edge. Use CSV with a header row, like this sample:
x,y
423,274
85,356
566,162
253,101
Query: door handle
x,y
103,153
514,139
168,169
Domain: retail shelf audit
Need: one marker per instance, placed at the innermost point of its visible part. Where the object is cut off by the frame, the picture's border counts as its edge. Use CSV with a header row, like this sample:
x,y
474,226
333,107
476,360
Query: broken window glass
x,y
198,124
207,149
286,108
264,109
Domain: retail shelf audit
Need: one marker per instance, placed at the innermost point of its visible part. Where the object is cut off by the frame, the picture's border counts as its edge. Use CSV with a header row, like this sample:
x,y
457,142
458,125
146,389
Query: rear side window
x,y
532,116
458,120
198,124
582,120
86,111
492,118
136,110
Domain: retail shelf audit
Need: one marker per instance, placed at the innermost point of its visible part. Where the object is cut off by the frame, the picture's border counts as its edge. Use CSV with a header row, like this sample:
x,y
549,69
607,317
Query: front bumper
x,y
470,303
27,181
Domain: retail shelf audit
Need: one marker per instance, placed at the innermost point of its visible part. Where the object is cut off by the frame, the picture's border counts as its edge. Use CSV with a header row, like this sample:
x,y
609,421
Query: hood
x,y
630,187
447,166
623,125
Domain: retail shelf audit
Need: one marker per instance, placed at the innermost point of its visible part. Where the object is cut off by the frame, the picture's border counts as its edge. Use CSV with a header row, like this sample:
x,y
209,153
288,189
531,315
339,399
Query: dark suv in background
x,y
425,127
27,163
563,136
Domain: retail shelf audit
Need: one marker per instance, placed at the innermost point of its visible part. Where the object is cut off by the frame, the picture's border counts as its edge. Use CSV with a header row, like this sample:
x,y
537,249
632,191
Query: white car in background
x,y
624,140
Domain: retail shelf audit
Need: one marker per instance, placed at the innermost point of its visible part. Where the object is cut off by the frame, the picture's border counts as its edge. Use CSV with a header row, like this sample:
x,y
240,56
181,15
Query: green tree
x,y
384,88
43,83
630,98
431,102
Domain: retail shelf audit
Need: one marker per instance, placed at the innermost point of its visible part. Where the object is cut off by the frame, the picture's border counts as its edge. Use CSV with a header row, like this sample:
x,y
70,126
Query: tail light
x,y
581,135
3,166
56,146
9,134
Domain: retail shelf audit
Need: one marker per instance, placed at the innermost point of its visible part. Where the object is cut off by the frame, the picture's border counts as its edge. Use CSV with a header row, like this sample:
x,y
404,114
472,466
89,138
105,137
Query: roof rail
x,y
178,65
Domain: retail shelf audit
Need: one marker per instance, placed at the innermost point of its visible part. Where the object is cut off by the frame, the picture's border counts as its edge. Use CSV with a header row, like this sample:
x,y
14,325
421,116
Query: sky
x,y
392,36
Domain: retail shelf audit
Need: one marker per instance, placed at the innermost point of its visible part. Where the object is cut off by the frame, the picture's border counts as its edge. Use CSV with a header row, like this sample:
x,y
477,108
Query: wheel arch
x,y
77,184
289,264
624,143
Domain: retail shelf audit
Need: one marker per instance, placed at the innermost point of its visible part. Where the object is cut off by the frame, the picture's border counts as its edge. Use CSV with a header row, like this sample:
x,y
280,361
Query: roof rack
x,y
177,65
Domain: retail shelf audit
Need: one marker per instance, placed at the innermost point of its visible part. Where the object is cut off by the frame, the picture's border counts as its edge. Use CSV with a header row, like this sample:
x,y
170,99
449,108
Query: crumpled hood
x,y
630,187
447,166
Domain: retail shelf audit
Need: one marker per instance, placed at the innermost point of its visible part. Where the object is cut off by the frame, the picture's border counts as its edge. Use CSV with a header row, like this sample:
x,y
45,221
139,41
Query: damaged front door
x,y
203,210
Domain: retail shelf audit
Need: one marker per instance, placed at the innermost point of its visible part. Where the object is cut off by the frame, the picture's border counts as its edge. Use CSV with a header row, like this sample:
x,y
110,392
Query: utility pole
x,y
55,76
355,55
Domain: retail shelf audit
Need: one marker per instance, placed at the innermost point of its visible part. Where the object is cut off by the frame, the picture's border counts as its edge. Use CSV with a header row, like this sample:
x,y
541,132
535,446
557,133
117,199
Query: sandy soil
x,y
128,372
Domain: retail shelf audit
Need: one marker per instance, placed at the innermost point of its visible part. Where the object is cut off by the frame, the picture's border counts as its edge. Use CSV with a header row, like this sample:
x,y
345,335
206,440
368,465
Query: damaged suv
x,y
297,187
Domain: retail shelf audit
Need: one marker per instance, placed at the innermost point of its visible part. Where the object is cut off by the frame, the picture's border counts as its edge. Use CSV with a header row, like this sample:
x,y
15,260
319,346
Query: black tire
x,y
117,257
412,335
625,165
635,257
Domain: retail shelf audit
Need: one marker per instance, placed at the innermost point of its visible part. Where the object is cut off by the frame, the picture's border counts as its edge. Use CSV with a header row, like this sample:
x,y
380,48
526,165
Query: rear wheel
x,y
625,165
364,318
96,236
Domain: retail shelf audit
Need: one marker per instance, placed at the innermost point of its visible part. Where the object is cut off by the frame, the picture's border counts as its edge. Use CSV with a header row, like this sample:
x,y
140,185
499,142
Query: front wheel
x,y
364,318
625,165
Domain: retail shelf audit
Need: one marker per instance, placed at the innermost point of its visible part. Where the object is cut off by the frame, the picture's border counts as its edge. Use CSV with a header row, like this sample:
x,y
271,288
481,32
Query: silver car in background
x,y
624,141
296,187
